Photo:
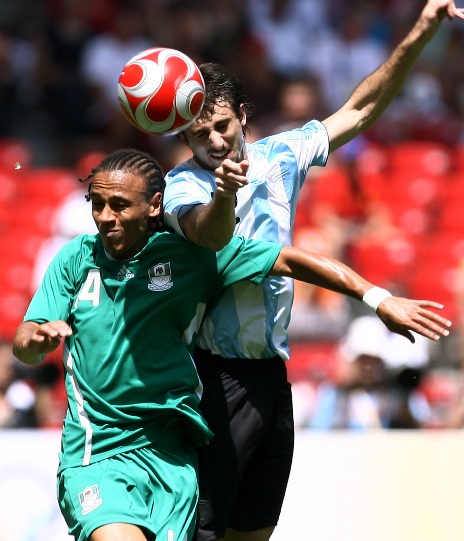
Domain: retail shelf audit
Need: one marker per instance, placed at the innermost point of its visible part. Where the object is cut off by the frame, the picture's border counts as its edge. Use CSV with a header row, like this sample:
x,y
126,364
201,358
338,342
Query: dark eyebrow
x,y
112,199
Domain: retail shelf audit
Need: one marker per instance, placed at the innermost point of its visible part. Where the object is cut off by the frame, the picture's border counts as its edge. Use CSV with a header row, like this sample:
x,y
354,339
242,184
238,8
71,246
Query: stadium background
x,y
389,204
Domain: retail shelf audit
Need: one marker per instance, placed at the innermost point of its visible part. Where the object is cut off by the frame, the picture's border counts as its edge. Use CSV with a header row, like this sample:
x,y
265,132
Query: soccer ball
x,y
161,91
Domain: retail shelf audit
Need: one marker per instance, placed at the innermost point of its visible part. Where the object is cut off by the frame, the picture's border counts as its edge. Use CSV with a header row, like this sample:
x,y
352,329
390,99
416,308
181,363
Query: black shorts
x,y
243,472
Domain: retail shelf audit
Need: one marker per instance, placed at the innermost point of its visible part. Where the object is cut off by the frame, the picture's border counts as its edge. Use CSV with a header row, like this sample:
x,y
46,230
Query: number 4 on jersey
x,y
91,289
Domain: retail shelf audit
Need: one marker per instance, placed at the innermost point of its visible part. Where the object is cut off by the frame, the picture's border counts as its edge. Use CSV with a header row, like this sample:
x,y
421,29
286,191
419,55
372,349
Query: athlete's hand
x,y
230,177
33,341
443,8
402,316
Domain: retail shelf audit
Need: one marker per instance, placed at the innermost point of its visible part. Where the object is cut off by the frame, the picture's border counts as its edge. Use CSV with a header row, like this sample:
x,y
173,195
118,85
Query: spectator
x,y
287,30
103,58
344,57
17,399
378,382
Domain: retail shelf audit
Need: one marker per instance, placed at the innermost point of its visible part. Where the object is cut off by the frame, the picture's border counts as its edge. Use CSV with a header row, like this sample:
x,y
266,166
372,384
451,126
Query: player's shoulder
x,y
169,239
312,130
81,244
187,170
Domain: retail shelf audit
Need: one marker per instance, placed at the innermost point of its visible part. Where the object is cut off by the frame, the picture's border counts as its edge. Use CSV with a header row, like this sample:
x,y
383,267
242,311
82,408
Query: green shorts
x,y
155,489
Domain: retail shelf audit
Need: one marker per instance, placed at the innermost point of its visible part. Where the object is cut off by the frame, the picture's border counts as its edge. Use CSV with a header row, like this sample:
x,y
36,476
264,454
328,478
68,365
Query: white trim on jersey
x,y
83,417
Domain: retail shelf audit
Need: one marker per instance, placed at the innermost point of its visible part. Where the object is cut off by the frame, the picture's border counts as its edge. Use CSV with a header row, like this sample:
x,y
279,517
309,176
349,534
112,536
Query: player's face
x,y
122,213
215,138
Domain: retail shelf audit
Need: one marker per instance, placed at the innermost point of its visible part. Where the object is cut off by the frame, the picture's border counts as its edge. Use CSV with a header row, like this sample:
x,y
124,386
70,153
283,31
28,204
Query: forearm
x,y
375,93
321,271
212,225
378,90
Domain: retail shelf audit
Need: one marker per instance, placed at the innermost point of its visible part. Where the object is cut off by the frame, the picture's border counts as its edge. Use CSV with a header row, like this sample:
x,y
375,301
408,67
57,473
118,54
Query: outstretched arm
x,y
33,341
373,95
212,226
400,315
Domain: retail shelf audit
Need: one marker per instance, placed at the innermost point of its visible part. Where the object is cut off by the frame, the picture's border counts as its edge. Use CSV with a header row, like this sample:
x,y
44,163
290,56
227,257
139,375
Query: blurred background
x,y
389,203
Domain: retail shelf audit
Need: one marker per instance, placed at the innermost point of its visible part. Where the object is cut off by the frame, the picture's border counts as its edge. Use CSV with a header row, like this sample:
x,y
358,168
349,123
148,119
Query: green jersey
x,y
129,373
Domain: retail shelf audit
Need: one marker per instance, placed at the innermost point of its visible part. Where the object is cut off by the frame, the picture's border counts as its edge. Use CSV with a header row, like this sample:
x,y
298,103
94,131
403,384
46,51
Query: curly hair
x,y
223,85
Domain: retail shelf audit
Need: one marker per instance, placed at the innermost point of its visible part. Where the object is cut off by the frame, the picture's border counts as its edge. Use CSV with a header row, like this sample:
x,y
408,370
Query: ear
x,y
155,205
243,116
182,137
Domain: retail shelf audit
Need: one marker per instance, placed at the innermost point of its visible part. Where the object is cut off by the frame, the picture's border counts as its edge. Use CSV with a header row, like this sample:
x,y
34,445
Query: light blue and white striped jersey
x,y
251,321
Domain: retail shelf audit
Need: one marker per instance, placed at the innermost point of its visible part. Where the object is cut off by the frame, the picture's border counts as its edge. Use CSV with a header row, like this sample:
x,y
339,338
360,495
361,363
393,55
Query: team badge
x,y
160,277
90,499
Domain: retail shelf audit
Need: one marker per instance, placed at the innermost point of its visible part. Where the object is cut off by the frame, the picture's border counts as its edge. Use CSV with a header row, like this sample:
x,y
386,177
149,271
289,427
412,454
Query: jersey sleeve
x,y
185,189
54,297
246,259
308,155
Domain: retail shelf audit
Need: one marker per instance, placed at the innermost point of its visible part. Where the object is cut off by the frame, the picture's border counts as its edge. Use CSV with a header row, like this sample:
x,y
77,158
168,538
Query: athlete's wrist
x,y
374,296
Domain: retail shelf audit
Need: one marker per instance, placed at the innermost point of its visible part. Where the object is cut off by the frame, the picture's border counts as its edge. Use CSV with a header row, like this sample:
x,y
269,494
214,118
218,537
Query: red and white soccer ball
x,y
161,91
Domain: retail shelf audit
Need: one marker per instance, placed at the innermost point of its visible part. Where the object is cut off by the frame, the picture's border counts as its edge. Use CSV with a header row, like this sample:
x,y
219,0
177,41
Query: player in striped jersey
x,y
233,187
128,302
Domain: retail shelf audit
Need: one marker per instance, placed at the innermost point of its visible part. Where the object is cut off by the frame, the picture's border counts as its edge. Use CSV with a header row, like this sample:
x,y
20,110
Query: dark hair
x,y
140,163
223,85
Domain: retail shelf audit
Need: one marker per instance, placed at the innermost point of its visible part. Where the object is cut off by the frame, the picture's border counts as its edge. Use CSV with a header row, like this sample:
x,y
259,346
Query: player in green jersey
x,y
128,303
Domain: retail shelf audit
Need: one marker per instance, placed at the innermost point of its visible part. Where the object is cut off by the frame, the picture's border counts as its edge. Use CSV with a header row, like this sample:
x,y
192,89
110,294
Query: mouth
x,y
108,233
220,155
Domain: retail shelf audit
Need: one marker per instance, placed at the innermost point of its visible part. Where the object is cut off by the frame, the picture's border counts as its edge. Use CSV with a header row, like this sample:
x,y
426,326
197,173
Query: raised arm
x,y
400,315
33,341
212,226
373,95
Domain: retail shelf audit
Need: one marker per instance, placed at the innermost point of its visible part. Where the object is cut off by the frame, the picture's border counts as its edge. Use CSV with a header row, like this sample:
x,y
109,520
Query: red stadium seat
x,y
420,156
50,184
436,281
313,360
372,159
13,306
451,219
458,158
15,152
330,191
383,262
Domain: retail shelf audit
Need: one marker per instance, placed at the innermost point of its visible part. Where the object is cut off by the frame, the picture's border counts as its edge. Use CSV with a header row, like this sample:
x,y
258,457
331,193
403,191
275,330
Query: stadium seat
x,y
372,159
313,360
329,191
435,281
451,218
15,152
50,184
383,262
458,158
420,156
13,306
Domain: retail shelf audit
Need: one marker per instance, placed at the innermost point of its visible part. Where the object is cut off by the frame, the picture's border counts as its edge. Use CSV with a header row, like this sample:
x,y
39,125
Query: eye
x,y
97,204
119,205
199,135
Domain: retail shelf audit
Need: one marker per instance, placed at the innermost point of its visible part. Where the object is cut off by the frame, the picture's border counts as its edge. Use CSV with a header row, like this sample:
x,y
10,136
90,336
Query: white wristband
x,y
374,296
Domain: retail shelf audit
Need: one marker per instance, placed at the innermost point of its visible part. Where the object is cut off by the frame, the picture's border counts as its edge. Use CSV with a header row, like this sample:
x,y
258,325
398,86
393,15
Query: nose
x,y
106,214
215,139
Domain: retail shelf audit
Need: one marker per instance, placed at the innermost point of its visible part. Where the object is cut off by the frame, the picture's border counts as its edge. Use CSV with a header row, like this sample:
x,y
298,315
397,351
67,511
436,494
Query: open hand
x,y
402,316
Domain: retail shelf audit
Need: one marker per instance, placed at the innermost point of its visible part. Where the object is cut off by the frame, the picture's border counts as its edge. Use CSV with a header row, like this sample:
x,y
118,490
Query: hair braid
x,y
140,163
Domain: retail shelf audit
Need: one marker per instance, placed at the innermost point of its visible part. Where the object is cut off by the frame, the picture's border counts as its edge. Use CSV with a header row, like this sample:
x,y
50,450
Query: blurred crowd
x,y
299,60
60,61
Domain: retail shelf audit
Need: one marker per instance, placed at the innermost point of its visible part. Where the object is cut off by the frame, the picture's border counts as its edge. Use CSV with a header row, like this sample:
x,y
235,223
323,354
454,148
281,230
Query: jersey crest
x,y
160,277
90,499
